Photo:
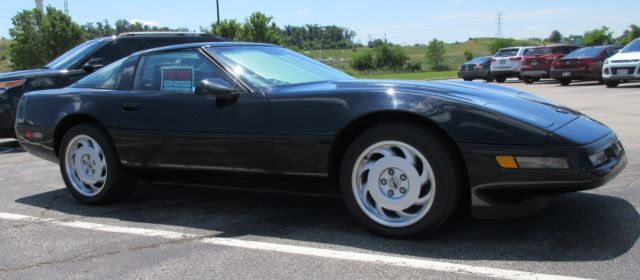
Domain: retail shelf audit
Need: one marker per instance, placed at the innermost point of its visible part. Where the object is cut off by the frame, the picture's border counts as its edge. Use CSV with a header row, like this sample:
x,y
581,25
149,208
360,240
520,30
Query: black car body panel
x,y
58,75
293,132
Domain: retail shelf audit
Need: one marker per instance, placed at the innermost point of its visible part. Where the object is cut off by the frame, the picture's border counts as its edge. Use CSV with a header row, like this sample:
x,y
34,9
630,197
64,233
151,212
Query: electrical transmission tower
x,y
499,21
66,7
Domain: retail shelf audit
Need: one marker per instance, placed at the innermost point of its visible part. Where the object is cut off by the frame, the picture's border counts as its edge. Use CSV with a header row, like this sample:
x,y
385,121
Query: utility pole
x,y
218,11
39,5
499,23
66,7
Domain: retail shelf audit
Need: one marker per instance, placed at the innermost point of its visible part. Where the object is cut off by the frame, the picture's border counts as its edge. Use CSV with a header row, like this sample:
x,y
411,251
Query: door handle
x,y
131,107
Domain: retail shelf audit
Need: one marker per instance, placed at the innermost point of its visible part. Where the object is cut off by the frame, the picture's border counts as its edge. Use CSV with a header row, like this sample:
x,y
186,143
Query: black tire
x,y
468,80
118,182
489,79
536,79
564,82
528,80
440,154
501,79
612,84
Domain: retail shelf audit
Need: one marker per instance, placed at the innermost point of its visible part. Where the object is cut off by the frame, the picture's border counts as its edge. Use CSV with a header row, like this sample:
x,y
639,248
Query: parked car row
x,y
608,64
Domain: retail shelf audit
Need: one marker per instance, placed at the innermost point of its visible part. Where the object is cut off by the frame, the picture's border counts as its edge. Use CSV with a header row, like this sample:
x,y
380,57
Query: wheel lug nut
x,y
403,190
403,177
390,193
383,181
391,172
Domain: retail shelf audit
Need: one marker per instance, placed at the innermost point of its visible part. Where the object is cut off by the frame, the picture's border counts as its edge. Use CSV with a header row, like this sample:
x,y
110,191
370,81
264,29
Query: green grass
x,y
4,56
454,55
409,76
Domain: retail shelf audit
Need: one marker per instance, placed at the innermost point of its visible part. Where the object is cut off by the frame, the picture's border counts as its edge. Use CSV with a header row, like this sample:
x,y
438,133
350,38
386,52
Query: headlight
x,y
526,162
598,158
606,61
10,84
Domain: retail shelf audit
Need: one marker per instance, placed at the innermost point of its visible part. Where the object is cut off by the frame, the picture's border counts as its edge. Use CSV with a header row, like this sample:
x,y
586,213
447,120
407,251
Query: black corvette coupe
x,y
404,155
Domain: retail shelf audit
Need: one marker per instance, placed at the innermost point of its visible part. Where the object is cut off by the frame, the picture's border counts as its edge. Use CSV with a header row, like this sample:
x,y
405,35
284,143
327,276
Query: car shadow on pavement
x,y
8,146
575,227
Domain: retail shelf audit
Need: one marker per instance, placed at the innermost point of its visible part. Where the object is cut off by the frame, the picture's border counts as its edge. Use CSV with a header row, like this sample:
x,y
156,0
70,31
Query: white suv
x,y
623,66
506,63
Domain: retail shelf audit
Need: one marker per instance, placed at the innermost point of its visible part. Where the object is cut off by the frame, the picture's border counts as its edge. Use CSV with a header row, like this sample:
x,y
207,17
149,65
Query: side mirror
x,y
93,65
223,92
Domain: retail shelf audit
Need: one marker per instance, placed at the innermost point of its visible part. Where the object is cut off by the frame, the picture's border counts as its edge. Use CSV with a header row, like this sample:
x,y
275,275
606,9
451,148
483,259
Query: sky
x,y
404,22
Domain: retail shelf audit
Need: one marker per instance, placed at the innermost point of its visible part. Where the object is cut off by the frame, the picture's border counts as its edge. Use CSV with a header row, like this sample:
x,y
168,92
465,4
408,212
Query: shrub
x,y
413,67
362,61
391,57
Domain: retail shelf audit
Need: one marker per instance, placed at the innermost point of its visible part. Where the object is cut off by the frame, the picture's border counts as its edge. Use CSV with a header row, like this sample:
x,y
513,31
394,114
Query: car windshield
x,y
105,78
506,53
537,51
634,46
268,66
584,52
72,56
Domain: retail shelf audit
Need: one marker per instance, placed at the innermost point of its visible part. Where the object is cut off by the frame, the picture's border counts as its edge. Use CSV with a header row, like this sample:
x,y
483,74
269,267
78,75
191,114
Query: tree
x,y
555,37
629,35
362,61
435,55
596,37
388,56
502,43
259,28
468,55
40,37
228,28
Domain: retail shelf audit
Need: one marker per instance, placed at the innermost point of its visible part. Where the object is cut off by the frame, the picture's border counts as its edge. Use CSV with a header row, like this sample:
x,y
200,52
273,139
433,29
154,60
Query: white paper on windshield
x,y
177,79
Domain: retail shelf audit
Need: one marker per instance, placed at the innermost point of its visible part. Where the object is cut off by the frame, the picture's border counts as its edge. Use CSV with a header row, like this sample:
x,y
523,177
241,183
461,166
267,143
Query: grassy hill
x,y
4,56
454,56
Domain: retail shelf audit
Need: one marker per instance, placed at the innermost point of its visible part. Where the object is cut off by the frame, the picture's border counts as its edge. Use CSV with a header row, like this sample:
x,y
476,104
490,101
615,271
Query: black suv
x,y
79,62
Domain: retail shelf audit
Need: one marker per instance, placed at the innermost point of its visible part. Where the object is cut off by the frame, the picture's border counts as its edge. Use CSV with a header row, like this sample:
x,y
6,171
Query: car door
x,y
163,124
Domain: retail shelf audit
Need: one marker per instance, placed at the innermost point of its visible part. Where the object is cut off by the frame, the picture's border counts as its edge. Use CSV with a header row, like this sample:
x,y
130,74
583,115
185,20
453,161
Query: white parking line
x,y
300,250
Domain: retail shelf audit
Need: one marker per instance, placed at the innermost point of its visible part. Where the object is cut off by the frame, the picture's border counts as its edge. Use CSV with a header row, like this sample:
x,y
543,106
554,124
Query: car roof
x,y
202,45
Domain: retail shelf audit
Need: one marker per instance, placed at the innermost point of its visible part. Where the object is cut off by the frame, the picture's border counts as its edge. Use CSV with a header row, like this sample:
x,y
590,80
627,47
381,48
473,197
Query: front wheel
x,y
501,79
400,179
612,84
564,82
528,80
90,166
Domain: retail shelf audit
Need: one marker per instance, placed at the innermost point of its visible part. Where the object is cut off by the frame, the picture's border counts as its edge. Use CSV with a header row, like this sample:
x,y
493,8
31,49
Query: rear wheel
x,y
564,82
400,179
501,79
612,84
90,166
528,80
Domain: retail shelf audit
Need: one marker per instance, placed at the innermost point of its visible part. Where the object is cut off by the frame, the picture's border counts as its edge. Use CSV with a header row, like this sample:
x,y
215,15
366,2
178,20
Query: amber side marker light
x,y
529,162
508,162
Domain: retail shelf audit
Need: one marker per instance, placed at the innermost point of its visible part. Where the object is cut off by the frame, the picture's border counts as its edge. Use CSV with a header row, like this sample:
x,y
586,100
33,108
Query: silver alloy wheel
x,y
85,165
393,183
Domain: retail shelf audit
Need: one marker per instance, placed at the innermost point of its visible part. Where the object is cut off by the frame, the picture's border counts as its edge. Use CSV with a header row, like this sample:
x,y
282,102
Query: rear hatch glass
x,y
506,52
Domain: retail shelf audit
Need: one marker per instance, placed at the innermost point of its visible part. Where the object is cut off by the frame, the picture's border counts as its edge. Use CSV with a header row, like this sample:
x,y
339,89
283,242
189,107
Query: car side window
x,y
176,72
612,51
114,51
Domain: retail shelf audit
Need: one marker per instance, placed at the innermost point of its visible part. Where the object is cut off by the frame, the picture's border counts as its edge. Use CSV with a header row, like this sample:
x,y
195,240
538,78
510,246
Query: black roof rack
x,y
164,33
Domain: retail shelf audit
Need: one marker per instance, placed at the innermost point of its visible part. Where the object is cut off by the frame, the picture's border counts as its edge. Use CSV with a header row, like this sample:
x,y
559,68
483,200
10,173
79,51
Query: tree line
x,y
38,36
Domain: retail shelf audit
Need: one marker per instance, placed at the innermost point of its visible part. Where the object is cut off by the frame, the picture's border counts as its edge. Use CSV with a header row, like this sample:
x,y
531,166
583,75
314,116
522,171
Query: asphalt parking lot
x,y
175,232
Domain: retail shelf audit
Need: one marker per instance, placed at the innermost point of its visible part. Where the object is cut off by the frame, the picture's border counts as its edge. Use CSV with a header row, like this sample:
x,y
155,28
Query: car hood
x,y
518,105
625,56
28,74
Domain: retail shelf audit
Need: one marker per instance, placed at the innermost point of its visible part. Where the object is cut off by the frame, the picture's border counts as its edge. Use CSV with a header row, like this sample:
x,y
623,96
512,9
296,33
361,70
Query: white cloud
x,y
534,13
146,22
534,28
457,16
